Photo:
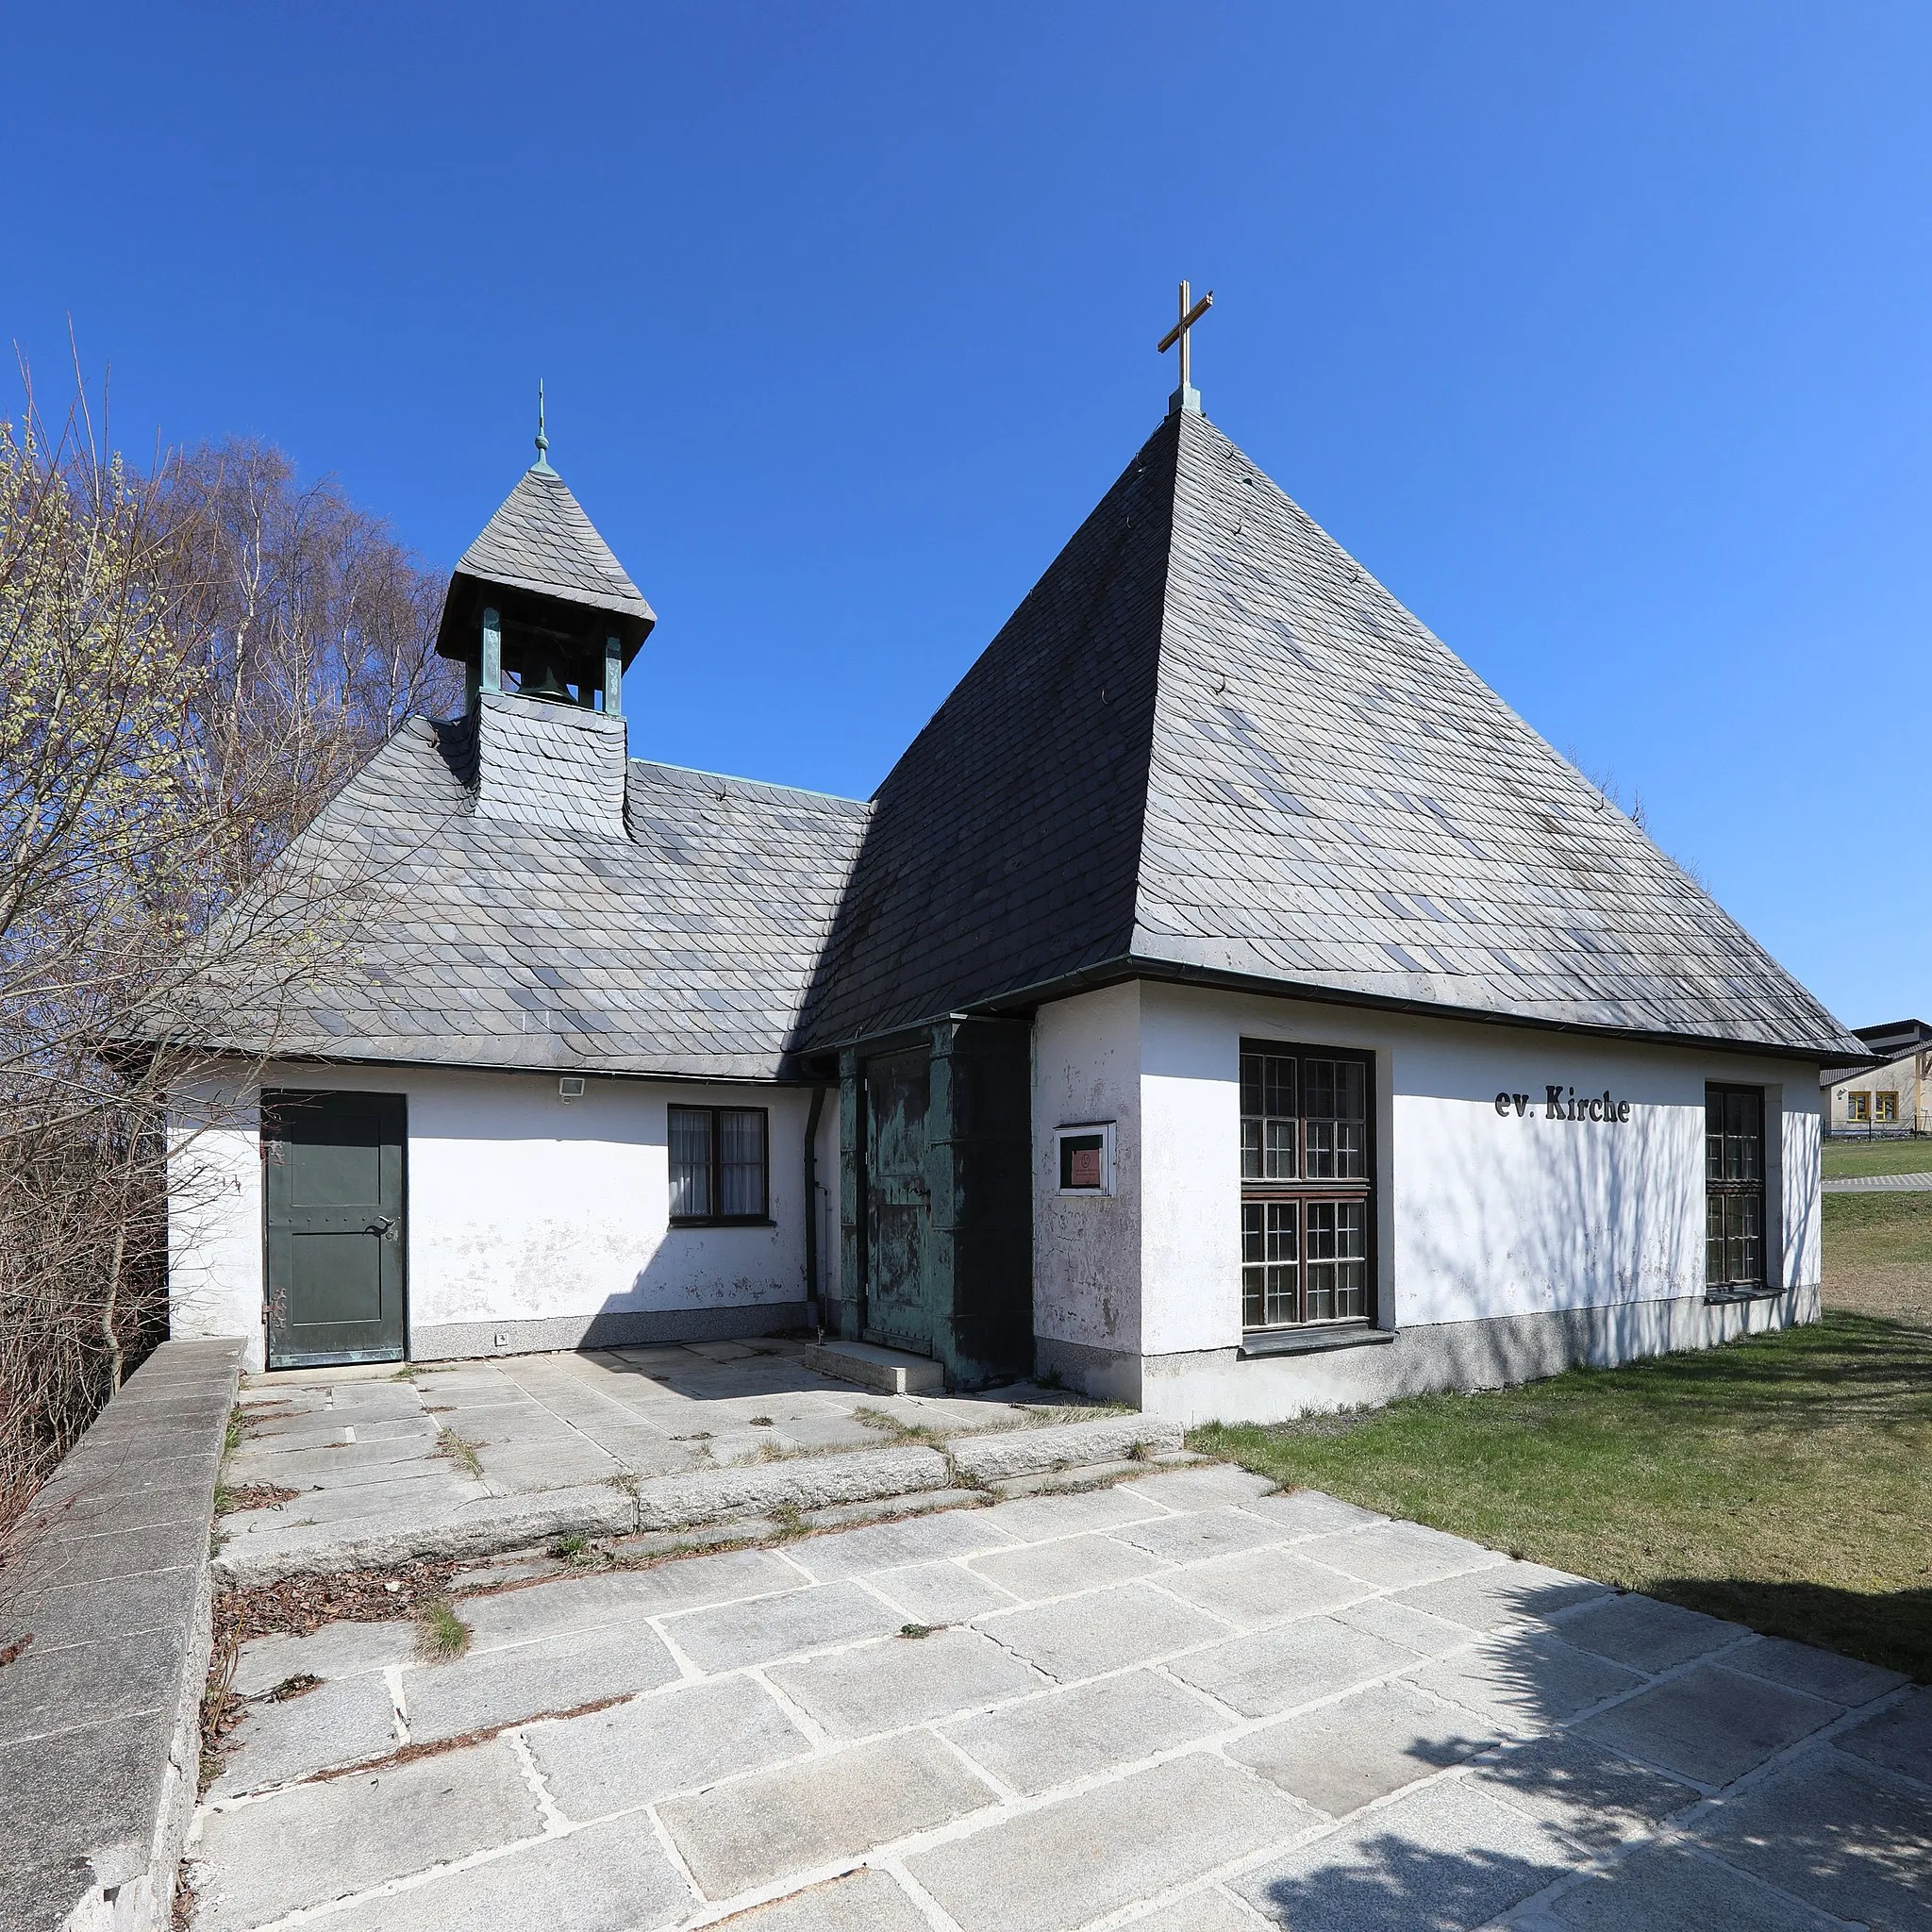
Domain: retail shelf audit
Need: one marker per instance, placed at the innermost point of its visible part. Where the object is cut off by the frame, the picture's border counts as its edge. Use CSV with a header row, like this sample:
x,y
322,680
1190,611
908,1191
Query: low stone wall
x,y
107,1596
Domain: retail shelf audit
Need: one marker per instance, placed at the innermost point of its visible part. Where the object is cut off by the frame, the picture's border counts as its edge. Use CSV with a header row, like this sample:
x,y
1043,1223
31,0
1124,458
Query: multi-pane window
x,y
1885,1107
1859,1107
1306,1191
719,1164
1734,1187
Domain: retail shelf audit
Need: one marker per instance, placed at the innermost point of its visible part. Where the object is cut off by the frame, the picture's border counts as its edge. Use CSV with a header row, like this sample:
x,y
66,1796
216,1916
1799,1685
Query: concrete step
x,y
889,1371
797,1482
747,1499
1089,1476
982,1460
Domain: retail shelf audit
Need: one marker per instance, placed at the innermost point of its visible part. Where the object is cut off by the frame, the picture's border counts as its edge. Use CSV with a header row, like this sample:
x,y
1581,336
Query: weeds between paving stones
x,y
221,1709
918,1630
298,1607
892,1425
440,1634
231,1502
567,1547
300,1685
460,1451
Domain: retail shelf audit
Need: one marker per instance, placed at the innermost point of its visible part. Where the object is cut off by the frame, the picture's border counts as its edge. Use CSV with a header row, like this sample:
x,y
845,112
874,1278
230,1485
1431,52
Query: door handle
x,y
384,1224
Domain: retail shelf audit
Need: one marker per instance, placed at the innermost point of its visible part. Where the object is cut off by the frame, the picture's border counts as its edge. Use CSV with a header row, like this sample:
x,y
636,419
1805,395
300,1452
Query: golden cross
x,y
1178,333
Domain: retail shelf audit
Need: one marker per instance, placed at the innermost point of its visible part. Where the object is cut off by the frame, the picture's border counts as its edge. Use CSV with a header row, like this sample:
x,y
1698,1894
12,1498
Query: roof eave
x,y
1143,966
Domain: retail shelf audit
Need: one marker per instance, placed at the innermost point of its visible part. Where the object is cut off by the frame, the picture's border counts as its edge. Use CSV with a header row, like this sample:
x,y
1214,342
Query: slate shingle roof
x,y
1206,743
1209,741
676,938
541,539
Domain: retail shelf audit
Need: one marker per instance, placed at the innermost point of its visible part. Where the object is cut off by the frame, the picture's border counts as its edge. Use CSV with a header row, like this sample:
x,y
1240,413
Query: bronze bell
x,y
541,680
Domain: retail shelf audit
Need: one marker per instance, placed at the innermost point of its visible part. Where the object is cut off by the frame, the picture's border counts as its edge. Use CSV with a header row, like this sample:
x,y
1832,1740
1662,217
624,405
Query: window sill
x,y
1723,1297
1267,1341
723,1220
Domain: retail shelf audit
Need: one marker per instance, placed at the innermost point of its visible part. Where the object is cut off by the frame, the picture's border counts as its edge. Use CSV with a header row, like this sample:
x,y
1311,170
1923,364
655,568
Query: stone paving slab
x,y
762,1632
1897,1740
1526,1681
1103,1630
338,1722
889,1545
1449,1857
257,1862
1670,1888
1261,1586
1830,1832
862,1901
1109,1749
1102,1849
637,1752
1398,1556
501,1687
608,1877
337,1650
1502,1593
1055,1569
753,1830
1070,1735
903,1681
1340,1756
1644,1633
1823,1673
1591,1796
1299,1663
1711,1724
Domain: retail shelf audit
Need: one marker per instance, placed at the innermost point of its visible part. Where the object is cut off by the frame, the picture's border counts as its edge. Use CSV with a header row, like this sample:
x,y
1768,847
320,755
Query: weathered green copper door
x,y
332,1190
898,1202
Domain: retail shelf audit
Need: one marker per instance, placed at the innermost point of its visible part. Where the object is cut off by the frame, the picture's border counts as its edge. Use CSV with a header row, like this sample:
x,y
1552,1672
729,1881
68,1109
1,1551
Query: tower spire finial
x,y
542,461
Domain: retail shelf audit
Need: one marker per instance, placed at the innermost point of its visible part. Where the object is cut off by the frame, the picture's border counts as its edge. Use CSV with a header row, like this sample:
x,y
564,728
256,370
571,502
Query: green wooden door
x,y
898,1202
332,1169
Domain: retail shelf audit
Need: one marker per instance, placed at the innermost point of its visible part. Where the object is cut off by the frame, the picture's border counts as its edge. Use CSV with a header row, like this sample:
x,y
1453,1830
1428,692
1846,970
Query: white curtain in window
x,y
690,1163
742,1161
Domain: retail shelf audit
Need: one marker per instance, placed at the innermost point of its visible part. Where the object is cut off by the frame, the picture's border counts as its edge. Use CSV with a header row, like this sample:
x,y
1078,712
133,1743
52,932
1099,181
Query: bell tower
x,y
538,608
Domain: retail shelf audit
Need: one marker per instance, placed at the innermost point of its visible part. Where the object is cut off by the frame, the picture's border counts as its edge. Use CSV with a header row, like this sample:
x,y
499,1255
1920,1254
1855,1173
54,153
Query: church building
x,y
1227,1005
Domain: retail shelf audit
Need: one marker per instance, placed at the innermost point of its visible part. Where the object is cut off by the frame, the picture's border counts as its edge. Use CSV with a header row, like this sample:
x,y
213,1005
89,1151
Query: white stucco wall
x,y
1087,1247
1480,1216
214,1215
522,1210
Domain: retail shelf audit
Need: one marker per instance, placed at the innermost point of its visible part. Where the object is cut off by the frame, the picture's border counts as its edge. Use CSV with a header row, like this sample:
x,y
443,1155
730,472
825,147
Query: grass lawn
x,y
1844,1158
1784,1481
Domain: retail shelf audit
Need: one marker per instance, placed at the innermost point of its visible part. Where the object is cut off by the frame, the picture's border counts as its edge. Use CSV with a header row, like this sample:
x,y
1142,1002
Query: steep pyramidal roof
x,y
1207,742
540,541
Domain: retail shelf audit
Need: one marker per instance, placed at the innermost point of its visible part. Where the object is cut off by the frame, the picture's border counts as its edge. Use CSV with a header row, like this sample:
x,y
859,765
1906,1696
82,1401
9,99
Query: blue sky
x,y
1600,336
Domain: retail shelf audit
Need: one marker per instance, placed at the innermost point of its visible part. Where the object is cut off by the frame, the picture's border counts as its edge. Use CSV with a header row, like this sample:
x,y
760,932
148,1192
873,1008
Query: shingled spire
x,y
539,597
1208,745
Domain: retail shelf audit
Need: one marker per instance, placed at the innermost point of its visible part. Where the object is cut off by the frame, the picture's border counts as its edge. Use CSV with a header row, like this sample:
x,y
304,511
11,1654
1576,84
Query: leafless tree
x,y
193,660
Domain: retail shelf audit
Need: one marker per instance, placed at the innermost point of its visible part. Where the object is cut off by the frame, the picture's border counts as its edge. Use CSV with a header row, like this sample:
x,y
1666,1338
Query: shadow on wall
x,y
1613,1217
